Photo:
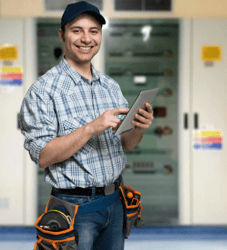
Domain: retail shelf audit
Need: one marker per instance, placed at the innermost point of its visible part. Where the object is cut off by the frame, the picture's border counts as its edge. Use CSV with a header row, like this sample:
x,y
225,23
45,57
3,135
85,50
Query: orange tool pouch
x,y
55,228
133,209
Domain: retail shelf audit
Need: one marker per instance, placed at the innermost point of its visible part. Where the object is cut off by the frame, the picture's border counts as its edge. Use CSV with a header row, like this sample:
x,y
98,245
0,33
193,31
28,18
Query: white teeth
x,y
85,48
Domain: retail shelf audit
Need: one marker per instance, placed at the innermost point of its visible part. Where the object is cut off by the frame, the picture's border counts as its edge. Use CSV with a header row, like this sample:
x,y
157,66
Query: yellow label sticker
x,y
8,53
11,70
211,133
211,53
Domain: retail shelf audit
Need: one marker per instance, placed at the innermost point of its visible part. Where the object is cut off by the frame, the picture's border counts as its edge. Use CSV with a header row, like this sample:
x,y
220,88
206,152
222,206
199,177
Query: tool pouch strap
x,y
60,240
132,207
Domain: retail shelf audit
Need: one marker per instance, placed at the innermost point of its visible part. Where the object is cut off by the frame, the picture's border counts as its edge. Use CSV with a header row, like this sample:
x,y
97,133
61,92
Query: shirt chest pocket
x,y
70,125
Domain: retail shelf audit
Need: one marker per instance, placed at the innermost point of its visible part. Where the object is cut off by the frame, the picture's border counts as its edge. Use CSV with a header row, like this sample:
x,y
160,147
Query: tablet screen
x,y
144,96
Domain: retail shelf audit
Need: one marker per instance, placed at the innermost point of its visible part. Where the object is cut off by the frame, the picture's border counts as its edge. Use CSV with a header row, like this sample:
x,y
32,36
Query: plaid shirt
x,y
58,103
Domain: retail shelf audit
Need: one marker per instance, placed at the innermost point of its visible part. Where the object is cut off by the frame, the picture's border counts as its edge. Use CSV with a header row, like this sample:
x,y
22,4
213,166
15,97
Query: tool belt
x,y
55,229
131,201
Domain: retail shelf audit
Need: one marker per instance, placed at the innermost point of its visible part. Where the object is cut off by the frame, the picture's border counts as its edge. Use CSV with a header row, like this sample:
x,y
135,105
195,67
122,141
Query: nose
x,y
86,38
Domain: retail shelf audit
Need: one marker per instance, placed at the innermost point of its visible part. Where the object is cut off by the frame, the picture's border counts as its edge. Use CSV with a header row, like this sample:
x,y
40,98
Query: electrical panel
x,y
141,55
50,48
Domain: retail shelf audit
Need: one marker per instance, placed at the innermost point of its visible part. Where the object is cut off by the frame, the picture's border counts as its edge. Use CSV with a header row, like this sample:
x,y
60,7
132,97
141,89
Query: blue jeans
x,y
101,230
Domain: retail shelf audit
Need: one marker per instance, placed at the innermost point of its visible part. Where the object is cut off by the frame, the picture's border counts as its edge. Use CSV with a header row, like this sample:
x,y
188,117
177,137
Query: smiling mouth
x,y
84,48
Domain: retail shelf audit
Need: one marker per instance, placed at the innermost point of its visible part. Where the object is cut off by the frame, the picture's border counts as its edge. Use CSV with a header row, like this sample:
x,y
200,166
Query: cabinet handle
x,y
196,121
186,121
18,124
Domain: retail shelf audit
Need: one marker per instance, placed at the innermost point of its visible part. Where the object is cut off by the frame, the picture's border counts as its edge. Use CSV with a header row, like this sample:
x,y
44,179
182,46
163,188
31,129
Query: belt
x,y
88,191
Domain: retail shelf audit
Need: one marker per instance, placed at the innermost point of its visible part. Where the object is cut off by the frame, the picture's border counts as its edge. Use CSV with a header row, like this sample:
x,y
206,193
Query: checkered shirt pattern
x,y
61,101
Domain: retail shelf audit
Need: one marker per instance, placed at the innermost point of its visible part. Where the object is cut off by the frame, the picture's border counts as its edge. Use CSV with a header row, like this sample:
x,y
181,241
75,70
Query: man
x,y
68,117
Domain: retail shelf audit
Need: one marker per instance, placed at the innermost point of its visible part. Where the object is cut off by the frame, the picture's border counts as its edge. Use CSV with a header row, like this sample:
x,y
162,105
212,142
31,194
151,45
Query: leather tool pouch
x,y
55,228
132,207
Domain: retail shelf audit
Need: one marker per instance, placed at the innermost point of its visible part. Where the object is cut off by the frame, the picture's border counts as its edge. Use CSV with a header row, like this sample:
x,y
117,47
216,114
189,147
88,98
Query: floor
x,y
158,238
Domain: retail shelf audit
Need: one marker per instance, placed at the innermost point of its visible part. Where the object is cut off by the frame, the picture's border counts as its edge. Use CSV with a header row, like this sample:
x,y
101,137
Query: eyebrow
x,y
79,27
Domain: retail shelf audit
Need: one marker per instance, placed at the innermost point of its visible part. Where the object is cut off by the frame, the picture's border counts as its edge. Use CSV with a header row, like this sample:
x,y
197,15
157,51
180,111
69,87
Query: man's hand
x,y
107,120
143,119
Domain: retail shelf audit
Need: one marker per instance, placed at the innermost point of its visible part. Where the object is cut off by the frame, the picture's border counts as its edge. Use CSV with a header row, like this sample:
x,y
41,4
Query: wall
x,y
181,9
201,8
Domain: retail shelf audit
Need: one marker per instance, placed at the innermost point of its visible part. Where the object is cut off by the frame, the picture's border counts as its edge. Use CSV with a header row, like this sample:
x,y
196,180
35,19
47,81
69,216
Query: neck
x,y
82,69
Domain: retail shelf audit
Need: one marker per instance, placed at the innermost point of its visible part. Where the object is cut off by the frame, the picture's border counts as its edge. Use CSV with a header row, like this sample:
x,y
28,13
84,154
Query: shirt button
x,y
97,111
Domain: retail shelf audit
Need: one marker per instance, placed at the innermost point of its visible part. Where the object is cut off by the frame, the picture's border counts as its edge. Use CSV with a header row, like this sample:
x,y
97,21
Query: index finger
x,y
149,108
119,111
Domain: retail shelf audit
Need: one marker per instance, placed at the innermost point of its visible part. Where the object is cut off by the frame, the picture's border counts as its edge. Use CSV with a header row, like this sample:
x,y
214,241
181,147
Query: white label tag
x,y
140,79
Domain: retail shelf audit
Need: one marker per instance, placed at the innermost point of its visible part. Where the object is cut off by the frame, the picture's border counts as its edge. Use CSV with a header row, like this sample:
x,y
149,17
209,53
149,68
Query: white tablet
x,y
144,96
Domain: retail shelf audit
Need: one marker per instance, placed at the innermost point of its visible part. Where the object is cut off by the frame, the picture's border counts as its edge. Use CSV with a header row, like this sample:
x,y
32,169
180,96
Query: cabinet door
x,y
208,100
11,140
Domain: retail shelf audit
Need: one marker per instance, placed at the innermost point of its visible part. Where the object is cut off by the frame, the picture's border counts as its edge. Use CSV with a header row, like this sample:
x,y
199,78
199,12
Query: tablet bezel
x,y
144,96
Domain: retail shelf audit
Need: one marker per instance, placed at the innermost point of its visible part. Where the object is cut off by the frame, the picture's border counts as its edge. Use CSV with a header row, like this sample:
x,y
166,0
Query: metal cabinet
x,y
202,164
17,171
143,54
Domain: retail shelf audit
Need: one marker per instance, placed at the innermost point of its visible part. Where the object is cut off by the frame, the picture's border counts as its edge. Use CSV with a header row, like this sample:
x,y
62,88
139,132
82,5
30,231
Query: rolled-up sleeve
x,y
38,122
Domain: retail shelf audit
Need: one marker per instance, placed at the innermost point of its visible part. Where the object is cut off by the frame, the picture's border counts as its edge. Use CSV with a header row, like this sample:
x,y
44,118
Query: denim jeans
x,y
100,230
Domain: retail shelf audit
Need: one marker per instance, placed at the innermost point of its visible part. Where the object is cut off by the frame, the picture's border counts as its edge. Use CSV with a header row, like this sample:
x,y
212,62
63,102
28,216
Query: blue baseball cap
x,y
75,9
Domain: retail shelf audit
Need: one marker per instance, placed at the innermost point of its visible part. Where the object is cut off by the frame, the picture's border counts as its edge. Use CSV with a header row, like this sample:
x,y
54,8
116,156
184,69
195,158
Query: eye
x,y
94,32
76,31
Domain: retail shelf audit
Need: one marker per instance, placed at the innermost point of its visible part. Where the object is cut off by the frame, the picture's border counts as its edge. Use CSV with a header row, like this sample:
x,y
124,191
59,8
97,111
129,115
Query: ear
x,y
61,35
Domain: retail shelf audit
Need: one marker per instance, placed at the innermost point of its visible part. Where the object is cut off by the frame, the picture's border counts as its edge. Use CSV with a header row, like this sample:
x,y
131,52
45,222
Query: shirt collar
x,y
95,74
75,75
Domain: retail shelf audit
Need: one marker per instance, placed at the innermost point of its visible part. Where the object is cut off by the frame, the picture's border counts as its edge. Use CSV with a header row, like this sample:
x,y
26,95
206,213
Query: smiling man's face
x,y
82,39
